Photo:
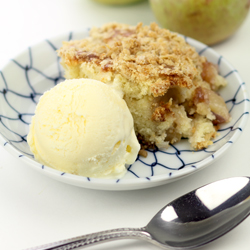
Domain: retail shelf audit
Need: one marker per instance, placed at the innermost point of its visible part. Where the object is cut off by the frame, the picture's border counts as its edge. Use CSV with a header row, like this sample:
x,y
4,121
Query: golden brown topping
x,y
139,53
159,88
143,153
160,113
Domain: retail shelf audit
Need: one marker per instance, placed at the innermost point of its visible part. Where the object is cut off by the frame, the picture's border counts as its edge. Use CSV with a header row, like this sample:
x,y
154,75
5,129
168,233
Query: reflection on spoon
x,y
190,221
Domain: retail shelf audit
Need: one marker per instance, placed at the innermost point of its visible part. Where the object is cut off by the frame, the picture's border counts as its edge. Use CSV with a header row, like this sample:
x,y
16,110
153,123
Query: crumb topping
x,y
168,87
143,153
139,53
162,111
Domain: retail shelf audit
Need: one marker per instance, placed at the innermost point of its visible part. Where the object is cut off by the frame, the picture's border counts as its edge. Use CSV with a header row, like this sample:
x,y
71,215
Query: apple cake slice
x,y
169,89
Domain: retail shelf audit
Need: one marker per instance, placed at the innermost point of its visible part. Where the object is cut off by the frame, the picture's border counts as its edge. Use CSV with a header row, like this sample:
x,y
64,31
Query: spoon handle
x,y
97,238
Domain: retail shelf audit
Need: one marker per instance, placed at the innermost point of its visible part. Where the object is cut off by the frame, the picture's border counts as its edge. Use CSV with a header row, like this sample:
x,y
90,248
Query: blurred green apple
x,y
117,2
209,21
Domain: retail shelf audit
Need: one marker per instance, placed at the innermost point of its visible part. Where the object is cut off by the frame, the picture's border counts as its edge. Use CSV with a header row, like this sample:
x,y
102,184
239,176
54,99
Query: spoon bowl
x,y
202,215
190,221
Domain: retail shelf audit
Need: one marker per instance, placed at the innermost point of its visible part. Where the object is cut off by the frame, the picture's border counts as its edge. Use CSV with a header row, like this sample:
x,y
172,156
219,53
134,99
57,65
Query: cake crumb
x,y
143,153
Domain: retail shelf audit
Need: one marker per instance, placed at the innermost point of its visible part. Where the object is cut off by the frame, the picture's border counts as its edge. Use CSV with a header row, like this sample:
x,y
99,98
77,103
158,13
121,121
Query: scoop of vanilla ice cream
x,y
83,127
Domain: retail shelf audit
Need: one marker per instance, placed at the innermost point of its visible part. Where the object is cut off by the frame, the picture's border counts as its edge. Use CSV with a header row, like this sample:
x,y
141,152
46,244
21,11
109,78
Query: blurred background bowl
x,y
118,2
208,21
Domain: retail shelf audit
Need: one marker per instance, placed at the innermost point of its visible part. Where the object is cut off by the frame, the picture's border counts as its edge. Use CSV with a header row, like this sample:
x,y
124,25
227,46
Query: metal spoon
x,y
190,221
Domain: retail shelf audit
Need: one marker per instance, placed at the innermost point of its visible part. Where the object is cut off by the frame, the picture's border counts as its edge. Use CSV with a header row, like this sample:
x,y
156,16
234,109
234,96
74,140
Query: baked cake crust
x,y
142,53
169,88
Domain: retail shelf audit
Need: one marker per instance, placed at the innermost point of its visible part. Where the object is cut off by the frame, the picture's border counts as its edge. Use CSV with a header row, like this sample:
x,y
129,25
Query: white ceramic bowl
x,y
24,79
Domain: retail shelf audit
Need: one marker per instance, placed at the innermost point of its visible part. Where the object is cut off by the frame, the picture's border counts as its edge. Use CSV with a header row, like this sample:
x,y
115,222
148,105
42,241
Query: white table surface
x,y
35,209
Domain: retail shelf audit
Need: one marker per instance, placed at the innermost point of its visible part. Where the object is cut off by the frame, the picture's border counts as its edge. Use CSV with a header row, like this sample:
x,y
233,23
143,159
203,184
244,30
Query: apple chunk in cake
x,y
169,89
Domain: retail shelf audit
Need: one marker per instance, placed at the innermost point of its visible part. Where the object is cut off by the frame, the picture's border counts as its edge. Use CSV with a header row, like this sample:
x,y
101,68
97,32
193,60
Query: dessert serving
x,y
170,90
83,127
37,70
